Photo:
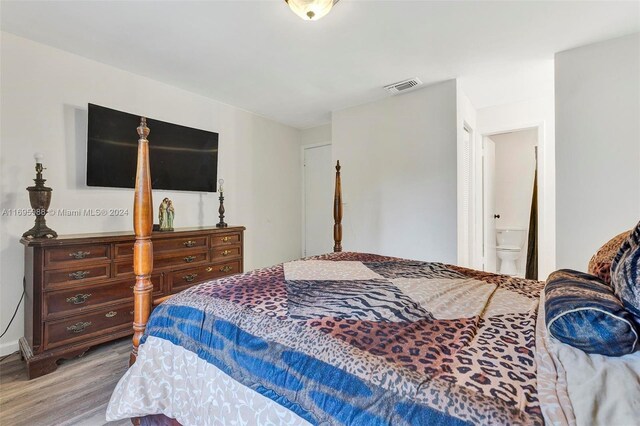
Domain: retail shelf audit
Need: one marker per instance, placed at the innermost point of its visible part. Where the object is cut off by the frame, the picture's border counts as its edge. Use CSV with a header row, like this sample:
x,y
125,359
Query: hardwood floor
x,y
76,393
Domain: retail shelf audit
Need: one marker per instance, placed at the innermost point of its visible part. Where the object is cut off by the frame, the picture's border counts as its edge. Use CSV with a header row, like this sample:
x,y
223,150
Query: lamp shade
x,y
310,10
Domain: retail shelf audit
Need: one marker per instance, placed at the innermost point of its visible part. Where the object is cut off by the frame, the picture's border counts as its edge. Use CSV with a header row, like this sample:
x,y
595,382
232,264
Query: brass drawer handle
x,y
189,243
78,275
226,268
79,327
209,269
189,278
226,253
111,314
189,259
78,299
225,239
80,254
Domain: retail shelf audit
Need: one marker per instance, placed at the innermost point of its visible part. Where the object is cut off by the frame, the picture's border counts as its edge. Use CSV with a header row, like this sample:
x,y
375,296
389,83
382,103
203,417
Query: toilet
x,y
509,248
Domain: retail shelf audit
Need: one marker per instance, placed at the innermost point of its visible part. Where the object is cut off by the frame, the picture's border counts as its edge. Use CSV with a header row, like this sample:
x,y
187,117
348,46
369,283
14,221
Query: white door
x,y
489,202
318,200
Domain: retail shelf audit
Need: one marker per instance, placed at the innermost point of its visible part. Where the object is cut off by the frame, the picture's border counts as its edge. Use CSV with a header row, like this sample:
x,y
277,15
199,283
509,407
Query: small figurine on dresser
x,y
170,214
166,214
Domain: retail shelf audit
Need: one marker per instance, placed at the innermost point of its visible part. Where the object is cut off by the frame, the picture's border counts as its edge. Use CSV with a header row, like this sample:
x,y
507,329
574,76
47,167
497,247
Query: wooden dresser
x,y
79,287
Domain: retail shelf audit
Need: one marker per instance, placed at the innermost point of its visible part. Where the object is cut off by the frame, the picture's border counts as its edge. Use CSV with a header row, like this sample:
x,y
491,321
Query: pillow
x,y
582,311
600,263
625,273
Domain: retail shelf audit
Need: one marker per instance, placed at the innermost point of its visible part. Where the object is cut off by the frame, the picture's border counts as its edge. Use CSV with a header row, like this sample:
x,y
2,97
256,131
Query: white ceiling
x,y
259,56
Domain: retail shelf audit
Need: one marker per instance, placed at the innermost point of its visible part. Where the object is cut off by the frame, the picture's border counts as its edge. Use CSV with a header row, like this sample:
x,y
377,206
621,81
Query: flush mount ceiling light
x,y
311,10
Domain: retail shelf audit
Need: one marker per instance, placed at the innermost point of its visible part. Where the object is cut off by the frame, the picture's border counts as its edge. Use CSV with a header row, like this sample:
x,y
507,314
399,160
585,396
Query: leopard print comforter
x,y
352,338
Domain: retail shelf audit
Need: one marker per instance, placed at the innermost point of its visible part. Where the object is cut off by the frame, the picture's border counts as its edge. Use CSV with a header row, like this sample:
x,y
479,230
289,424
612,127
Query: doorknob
x,y
496,216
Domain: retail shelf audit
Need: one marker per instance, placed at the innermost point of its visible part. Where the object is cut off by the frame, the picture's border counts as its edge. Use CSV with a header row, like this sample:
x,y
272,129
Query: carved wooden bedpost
x,y
337,212
143,247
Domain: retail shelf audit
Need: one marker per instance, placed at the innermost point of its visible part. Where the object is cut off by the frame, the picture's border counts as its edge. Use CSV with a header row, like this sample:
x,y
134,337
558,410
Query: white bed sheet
x,y
173,381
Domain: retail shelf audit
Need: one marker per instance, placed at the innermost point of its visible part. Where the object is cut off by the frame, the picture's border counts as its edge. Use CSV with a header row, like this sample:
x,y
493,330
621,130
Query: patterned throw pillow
x,y
600,263
583,312
625,273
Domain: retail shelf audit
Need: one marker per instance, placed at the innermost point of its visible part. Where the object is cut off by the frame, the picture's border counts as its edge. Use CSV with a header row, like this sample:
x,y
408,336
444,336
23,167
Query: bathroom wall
x,y
515,167
522,115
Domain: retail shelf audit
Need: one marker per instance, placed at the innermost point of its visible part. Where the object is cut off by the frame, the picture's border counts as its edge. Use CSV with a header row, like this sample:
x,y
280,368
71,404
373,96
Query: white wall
x,y
598,148
399,174
44,96
515,168
315,135
521,115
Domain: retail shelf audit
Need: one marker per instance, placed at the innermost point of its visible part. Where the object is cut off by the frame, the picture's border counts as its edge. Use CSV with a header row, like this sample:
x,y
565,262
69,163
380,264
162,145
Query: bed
x,y
356,338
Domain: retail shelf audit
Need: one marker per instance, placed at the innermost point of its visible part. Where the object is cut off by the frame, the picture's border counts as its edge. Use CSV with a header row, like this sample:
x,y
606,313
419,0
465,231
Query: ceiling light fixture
x,y
311,10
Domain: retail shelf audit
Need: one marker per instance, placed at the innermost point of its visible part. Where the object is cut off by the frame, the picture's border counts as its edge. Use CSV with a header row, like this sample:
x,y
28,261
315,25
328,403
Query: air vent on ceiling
x,y
403,85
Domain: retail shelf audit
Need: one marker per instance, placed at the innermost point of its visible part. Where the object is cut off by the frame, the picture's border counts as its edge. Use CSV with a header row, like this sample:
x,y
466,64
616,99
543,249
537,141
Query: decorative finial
x,y
143,130
338,166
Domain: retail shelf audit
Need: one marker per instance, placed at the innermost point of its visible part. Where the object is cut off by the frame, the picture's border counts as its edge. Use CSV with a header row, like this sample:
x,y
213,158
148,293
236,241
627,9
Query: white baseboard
x,y
9,347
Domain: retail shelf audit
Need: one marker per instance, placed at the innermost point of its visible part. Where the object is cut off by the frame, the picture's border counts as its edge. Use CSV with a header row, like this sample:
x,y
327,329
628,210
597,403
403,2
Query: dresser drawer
x,y
181,280
84,274
171,244
61,257
68,302
86,326
225,239
176,261
123,249
164,245
221,254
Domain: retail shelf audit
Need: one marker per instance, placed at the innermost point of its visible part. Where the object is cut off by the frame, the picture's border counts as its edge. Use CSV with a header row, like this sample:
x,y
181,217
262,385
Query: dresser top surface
x,y
124,235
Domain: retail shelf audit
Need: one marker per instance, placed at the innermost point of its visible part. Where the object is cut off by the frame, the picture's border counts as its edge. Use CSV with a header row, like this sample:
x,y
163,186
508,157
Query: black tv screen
x,y
182,158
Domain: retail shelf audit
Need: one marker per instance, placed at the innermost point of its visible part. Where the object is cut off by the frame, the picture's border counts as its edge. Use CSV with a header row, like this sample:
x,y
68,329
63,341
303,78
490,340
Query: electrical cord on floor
x,y
7,356
13,317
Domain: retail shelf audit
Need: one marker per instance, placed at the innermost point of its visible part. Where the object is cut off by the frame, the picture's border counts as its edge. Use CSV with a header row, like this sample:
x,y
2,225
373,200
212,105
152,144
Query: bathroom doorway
x,y
509,175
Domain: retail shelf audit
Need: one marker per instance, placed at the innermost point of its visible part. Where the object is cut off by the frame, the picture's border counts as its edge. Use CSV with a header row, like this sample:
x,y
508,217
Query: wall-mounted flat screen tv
x,y
182,158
